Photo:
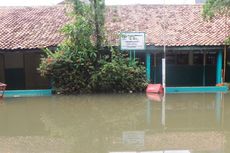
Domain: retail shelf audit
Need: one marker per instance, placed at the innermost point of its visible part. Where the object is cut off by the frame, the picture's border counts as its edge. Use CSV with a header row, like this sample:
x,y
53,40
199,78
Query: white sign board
x,y
132,41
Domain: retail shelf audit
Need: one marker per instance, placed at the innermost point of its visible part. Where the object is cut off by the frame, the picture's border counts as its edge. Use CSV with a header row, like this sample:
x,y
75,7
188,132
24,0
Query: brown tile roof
x,y
185,25
38,27
31,27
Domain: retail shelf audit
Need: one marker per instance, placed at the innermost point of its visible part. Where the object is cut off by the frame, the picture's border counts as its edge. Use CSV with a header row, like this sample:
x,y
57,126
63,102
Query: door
x,y
14,71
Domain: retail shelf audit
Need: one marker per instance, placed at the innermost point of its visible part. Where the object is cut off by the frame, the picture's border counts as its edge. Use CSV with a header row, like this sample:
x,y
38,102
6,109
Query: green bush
x,y
79,64
119,75
69,75
79,75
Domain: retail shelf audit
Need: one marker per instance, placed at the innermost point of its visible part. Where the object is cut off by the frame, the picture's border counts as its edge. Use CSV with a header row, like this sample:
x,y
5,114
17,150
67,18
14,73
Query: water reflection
x,y
165,151
116,123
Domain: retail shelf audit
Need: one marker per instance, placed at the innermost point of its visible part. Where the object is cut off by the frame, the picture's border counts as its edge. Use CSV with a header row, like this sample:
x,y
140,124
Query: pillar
x,y
148,67
155,68
219,67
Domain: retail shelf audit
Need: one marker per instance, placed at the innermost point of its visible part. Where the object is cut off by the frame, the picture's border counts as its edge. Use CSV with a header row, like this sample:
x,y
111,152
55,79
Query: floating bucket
x,y
154,88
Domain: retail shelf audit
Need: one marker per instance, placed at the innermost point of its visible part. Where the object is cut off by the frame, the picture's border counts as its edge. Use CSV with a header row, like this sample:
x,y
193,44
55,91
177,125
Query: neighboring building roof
x,y
38,27
31,27
200,1
185,25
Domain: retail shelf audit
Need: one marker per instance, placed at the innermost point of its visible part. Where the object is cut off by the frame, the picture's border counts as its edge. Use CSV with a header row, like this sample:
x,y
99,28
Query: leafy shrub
x,y
119,75
71,66
69,75
79,64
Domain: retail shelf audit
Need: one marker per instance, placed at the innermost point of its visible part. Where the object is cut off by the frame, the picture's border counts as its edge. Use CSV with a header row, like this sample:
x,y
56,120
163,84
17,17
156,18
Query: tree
x,y
95,12
213,7
217,7
78,65
71,66
98,13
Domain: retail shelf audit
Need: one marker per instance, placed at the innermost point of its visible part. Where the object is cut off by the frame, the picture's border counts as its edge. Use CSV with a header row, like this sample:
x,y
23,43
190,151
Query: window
x,y
198,58
211,58
182,58
171,57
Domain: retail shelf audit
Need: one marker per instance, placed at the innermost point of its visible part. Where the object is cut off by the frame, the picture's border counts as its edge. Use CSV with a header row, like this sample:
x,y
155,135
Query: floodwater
x,y
184,123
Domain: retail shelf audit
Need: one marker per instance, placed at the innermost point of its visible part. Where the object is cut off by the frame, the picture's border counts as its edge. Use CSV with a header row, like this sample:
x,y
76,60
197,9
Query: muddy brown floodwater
x,y
184,123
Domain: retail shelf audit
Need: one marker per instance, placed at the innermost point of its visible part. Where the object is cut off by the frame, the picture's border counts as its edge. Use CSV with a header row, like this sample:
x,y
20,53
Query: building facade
x,y
196,53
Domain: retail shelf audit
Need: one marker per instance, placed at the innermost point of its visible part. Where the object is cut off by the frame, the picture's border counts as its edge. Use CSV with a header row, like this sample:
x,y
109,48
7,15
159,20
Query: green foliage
x,y
227,41
98,7
71,66
70,73
119,75
78,65
213,7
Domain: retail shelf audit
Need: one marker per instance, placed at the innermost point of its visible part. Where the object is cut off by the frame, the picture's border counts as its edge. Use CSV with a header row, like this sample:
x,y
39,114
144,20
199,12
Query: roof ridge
x,y
40,6
157,5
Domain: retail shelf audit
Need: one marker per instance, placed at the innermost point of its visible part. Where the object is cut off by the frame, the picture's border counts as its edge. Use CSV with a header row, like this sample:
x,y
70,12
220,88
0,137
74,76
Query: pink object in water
x,y
154,97
154,88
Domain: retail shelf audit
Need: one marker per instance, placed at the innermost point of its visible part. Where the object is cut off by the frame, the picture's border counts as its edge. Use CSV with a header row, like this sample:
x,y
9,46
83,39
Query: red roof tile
x,y
31,27
38,27
185,25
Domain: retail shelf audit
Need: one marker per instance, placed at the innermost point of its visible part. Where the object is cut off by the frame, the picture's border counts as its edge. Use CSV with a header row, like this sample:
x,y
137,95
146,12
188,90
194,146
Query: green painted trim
x,y
148,67
207,89
151,48
27,93
219,67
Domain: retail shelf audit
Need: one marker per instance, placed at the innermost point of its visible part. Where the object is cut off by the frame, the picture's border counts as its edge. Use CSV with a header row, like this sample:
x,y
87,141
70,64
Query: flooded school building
x,y
195,50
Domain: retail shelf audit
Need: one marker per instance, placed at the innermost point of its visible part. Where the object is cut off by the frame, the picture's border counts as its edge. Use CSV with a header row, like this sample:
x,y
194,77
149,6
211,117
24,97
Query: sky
x,y
108,2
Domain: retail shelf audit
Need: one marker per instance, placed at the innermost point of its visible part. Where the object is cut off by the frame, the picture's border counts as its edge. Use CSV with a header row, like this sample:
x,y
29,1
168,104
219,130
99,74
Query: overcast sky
x,y
108,2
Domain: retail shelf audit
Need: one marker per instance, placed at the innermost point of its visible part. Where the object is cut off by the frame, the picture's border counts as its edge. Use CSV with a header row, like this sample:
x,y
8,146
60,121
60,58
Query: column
x,y
219,67
155,68
148,67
